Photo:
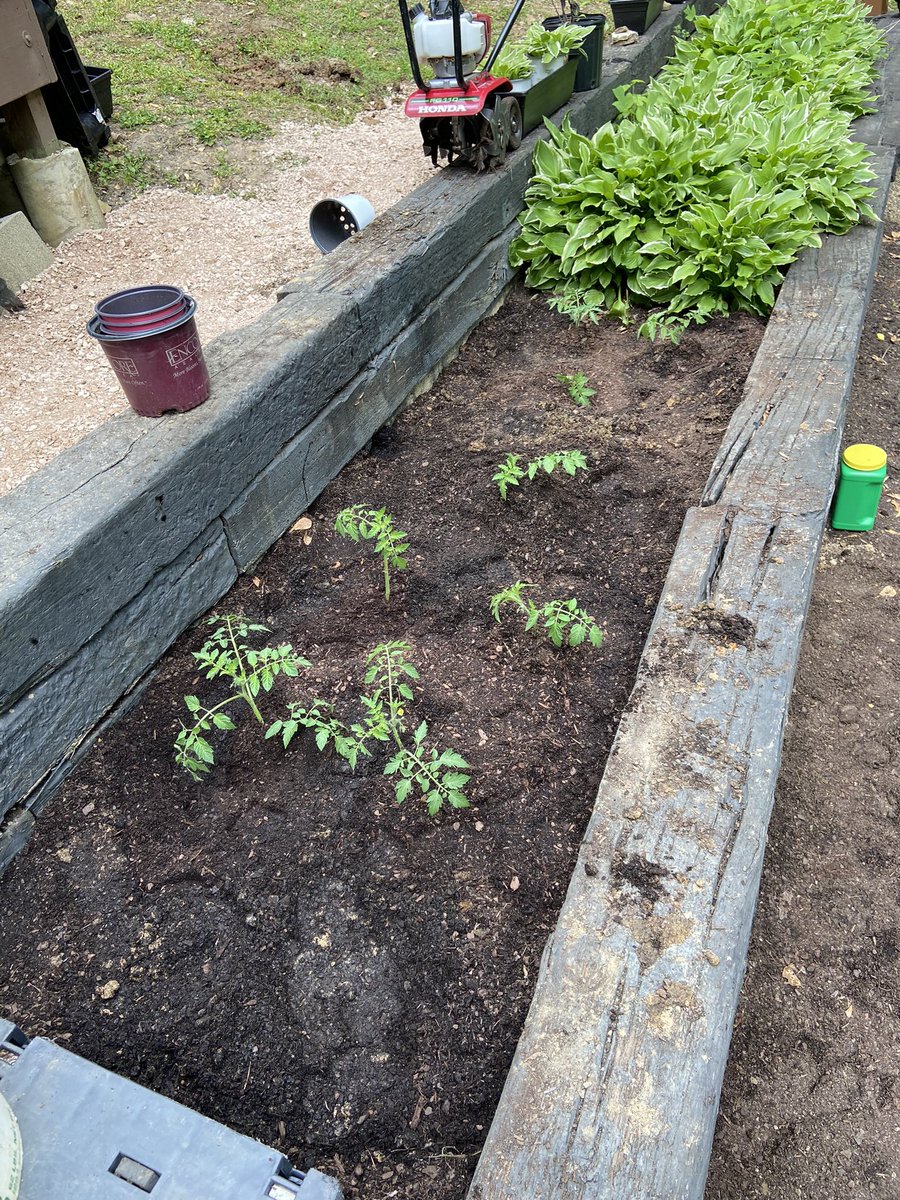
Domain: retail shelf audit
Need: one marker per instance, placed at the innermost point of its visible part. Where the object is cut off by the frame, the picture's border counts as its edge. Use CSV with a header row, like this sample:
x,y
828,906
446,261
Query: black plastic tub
x,y
638,15
101,82
540,99
589,54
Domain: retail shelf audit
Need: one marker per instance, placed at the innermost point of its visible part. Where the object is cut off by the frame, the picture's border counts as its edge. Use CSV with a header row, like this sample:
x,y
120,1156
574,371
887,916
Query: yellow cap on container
x,y
863,457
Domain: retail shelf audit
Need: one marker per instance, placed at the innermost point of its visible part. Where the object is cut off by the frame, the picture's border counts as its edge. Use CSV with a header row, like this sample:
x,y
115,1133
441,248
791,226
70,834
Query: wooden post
x,y
29,128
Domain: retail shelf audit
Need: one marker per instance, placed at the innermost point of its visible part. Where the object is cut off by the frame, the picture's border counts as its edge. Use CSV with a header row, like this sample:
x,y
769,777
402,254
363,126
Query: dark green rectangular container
x,y
540,99
638,15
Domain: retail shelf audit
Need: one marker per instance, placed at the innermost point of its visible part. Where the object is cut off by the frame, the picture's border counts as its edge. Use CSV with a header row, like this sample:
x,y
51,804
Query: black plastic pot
x,y
101,82
638,15
71,101
540,99
589,54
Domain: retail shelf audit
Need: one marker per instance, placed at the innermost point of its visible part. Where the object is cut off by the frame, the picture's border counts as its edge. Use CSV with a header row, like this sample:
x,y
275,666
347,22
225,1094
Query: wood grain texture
x,y
781,448
614,1088
46,728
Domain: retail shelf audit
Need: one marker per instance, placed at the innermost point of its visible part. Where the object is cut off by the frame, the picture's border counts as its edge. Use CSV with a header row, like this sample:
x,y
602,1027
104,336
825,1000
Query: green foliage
x,y
539,45
564,622
510,473
220,122
376,525
226,654
439,775
436,773
578,387
735,158
570,461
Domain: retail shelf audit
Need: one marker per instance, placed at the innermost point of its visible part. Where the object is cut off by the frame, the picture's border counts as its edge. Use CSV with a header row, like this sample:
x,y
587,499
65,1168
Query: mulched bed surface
x,y
281,947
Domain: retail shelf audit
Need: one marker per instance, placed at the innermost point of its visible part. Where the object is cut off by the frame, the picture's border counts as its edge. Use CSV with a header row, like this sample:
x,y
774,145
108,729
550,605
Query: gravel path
x,y
230,254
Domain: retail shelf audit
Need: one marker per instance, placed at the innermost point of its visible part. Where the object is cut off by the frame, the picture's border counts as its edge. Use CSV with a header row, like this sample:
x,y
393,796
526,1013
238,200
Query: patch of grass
x,y
226,72
118,169
121,168
219,123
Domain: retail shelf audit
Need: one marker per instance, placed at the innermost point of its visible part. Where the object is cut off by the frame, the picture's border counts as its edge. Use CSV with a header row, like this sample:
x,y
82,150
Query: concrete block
x,y
23,254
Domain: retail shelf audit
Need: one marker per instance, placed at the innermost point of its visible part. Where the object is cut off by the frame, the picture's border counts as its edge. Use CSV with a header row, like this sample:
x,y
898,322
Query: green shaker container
x,y
863,470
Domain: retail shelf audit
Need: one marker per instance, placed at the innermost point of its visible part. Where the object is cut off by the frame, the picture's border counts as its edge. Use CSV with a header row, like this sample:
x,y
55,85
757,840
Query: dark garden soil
x,y
811,1106
283,948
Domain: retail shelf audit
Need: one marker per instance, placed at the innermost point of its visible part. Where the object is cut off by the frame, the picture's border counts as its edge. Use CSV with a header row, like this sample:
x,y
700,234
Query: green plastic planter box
x,y
589,55
544,96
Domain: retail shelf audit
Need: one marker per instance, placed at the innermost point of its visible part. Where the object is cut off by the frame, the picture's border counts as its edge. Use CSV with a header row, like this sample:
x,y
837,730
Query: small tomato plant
x,y
226,654
570,461
438,774
511,472
376,524
578,388
564,622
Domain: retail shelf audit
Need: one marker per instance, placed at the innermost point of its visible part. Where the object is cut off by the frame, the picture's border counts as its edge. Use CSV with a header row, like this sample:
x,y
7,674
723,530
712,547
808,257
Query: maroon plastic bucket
x,y
162,371
136,306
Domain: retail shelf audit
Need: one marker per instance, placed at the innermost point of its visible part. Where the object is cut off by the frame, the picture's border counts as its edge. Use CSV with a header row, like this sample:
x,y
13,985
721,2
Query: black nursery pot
x,y
638,15
590,54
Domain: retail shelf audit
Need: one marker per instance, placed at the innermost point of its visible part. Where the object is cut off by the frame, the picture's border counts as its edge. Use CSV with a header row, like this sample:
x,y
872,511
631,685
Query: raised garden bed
x,y
281,947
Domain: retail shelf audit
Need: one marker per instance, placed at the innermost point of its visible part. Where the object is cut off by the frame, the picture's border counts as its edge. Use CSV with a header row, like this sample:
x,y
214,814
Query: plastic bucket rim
x,y
136,324
96,330
176,293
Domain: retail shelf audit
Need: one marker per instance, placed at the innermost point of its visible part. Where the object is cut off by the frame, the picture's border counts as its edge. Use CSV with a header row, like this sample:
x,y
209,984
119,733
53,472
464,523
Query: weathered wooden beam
x,y
47,727
614,1087
781,448
29,129
312,459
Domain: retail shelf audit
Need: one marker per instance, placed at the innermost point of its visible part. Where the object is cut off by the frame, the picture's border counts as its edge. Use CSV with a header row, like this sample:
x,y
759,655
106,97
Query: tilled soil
x,y
282,947
811,1106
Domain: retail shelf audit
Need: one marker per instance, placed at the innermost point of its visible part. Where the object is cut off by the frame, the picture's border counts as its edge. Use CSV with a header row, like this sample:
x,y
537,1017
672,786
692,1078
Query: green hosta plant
x,y
511,472
735,158
564,622
438,775
250,670
578,388
376,525
539,45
